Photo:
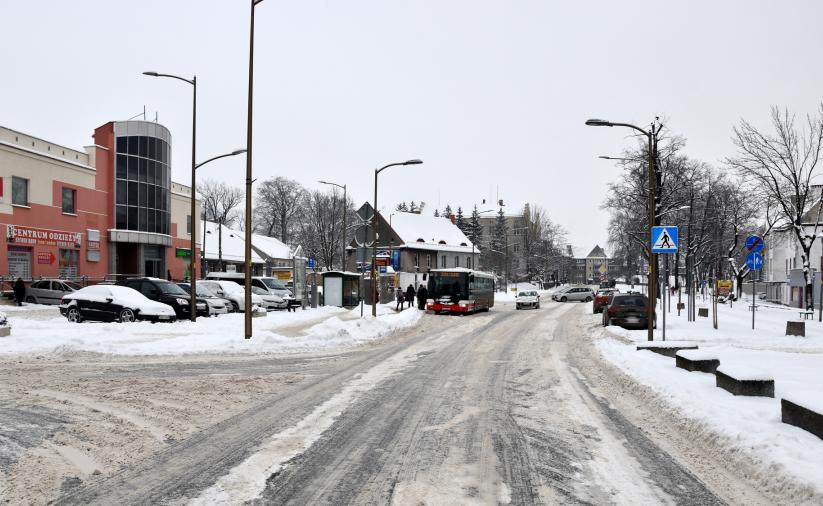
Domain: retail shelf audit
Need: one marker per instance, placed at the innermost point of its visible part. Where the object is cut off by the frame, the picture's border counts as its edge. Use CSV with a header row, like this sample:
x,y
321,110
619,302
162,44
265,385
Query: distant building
x,y
595,267
412,244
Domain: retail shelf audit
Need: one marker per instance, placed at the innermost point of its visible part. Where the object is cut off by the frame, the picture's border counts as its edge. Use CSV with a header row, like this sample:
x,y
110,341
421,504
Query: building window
x,y
188,224
468,262
69,201
456,260
443,262
429,261
417,259
19,191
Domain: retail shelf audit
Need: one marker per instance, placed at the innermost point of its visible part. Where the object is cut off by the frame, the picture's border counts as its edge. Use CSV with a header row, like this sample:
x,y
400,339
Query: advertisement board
x,y
42,237
724,287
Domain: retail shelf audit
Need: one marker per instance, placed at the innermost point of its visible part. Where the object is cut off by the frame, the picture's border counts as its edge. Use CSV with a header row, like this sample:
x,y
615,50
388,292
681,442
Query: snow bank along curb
x,y
280,332
803,411
746,432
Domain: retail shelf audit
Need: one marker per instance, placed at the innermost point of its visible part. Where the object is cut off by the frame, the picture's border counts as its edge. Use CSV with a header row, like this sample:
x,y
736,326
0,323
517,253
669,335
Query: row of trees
x,y
767,185
286,210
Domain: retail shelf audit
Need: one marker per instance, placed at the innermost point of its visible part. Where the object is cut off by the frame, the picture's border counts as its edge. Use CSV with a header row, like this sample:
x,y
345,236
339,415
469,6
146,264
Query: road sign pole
x,y
665,290
754,294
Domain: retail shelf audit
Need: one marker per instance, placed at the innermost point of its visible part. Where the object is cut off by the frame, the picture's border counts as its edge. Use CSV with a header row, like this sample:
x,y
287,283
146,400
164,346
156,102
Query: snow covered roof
x,y
234,246
271,247
597,252
430,232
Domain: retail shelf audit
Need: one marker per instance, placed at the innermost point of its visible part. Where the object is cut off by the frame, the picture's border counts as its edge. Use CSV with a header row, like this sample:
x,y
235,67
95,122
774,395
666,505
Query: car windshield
x,y
231,287
258,291
604,292
274,284
527,294
204,291
72,285
634,301
169,288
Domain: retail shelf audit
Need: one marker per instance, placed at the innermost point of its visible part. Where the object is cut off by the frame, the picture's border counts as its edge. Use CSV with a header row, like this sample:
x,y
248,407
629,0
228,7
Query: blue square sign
x,y
664,239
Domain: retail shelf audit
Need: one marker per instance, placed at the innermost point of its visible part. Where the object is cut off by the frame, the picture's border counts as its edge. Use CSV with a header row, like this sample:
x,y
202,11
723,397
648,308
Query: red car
x,y
601,299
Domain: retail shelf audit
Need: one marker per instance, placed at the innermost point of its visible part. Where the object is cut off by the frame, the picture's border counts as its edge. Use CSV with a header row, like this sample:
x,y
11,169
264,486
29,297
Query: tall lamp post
x,y
247,256
652,278
345,205
374,231
192,264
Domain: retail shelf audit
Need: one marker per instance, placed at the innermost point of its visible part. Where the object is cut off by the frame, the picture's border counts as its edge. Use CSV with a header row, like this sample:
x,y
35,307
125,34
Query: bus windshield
x,y
449,284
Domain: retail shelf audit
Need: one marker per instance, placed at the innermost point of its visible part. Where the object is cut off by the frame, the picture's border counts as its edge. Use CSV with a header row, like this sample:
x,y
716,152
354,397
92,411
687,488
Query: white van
x,y
271,285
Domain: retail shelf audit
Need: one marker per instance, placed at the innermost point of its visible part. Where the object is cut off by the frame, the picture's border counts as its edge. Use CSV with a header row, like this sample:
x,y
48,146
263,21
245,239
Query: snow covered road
x,y
507,407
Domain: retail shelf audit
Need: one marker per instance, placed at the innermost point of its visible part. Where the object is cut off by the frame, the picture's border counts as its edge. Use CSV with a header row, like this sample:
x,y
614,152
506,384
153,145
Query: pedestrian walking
x,y
410,295
422,295
19,291
398,294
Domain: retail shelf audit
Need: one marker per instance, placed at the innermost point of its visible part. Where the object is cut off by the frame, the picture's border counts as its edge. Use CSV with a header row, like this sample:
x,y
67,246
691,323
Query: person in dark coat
x,y
410,295
19,291
399,297
422,295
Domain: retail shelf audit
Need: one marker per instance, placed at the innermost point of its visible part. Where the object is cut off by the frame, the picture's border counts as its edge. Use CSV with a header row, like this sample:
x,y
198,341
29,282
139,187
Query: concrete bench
x,y
666,348
697,360
803,411
796,328
740,380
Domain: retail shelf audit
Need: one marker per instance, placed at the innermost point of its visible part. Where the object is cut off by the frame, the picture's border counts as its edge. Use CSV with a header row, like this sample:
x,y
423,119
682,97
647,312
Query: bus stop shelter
x,y
341,289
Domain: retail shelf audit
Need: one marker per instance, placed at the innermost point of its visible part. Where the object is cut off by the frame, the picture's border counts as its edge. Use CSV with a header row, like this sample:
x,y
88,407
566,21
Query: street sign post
x,y
664,239
754,262
754,244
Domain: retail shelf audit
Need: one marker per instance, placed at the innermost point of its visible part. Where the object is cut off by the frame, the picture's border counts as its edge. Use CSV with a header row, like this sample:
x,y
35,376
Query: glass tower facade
x,y
142,183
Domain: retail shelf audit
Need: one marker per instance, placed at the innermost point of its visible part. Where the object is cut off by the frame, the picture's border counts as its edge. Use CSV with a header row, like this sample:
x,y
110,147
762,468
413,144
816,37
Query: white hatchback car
x,y
527,298
231,291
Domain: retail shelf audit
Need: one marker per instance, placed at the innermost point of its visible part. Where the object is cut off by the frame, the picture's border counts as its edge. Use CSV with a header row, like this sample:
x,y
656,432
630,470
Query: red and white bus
x,y
460,290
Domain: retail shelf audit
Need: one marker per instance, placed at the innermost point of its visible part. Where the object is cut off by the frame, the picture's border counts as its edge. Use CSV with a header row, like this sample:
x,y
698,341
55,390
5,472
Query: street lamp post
x,y
192,265
652,278
374,231
345,205
247,256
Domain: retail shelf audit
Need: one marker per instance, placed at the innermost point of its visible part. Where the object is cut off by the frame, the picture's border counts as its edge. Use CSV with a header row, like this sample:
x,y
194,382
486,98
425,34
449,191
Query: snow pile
x,y
278,332
788,459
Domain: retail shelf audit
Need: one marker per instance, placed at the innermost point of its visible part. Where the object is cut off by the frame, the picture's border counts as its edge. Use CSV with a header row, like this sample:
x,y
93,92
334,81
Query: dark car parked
x,y
627,310
166,292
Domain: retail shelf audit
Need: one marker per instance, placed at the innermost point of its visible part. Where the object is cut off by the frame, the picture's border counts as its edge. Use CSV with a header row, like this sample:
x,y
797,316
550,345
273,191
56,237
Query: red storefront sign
x,y
42,237
45,258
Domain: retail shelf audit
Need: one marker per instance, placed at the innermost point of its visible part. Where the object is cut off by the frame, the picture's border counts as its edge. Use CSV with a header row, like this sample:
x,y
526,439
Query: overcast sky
x,y
492,95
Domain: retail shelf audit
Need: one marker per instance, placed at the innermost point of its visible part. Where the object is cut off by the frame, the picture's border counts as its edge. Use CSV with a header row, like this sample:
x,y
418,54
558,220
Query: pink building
x,y
109,210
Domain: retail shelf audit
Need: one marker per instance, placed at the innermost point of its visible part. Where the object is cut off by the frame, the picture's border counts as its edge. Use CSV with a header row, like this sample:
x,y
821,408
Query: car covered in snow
x,y
231,291
113,303
166,292
527,298
270,300
216,305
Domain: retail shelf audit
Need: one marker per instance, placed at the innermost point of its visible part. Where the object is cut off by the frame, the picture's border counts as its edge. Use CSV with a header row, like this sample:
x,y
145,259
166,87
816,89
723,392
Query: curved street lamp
x,y
652,279
192,267
413,161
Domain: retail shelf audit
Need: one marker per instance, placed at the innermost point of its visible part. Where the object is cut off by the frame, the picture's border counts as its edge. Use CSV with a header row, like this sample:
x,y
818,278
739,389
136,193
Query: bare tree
x,y
219,206
279,201
782,166
321,226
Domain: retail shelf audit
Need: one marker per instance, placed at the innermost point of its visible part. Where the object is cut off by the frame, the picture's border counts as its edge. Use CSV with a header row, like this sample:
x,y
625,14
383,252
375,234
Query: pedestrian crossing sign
x,y
664,239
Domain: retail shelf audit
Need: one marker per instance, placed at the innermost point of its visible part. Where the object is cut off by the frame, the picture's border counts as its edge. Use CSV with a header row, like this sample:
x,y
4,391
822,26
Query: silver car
x,y
217,305
577,293
49,291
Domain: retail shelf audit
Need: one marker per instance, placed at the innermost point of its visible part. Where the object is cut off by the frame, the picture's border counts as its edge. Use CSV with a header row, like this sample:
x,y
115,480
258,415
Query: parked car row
x,y
155,299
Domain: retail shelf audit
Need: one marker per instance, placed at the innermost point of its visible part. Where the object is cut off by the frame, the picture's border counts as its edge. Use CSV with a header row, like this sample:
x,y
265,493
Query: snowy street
x,y
511,407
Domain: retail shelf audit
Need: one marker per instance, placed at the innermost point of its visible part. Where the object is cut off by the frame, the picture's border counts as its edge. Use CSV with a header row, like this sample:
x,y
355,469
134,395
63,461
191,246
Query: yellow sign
x,y
724,286
603,269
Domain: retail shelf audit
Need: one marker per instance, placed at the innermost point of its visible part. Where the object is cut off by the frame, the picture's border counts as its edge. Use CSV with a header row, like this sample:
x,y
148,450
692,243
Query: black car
x,y
166,292
627,310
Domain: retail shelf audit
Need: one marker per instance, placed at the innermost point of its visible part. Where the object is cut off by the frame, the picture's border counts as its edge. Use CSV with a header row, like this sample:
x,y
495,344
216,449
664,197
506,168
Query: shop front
x,y
34,252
